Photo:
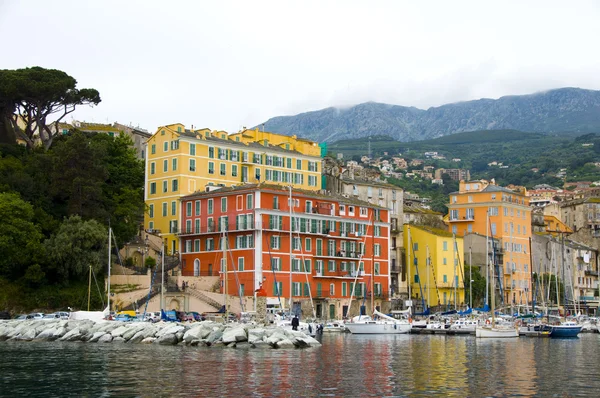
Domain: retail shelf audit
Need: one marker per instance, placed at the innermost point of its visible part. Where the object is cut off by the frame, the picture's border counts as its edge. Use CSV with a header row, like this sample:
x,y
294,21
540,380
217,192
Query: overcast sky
x,y
228,64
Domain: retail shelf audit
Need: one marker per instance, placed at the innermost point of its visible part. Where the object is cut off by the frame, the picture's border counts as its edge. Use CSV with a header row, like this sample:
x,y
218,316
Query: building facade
x,y
434,259
502,214
336,248
182,161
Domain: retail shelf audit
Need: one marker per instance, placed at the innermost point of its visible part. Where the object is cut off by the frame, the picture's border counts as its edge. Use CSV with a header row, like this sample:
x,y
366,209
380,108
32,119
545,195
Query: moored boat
x,y
496,331
566,329
383,325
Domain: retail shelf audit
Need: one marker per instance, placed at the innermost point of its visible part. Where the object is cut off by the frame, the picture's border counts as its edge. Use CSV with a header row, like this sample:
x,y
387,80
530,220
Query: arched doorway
x,y
196,267
174,305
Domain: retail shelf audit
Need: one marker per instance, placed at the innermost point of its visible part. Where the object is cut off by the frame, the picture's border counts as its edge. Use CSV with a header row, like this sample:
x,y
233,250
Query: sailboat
x,y
384,324
96,316
492,329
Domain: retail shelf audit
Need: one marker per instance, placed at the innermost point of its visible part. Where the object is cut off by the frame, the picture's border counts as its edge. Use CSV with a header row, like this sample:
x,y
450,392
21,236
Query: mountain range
x,y
572,110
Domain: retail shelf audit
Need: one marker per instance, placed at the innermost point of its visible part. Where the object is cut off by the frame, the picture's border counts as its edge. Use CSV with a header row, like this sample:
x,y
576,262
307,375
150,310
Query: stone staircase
x,y
203,297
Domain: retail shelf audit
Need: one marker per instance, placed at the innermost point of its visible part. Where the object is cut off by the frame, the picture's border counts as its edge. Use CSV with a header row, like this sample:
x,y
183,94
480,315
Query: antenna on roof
x,y
263,127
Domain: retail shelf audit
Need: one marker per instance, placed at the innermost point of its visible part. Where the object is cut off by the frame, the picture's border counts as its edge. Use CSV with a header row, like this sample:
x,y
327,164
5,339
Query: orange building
x,y
509,222
338,247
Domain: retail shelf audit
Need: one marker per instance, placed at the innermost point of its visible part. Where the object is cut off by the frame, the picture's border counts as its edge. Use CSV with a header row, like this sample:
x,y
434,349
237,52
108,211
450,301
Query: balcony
x,y
463,219
591,273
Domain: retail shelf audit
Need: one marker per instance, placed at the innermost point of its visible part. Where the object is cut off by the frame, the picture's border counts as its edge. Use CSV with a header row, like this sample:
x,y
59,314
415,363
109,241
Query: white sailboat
x,y
382,325
492,329
96,316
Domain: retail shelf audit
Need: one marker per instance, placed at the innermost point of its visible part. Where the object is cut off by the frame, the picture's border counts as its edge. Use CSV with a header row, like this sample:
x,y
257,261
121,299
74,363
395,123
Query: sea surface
x,y
345,366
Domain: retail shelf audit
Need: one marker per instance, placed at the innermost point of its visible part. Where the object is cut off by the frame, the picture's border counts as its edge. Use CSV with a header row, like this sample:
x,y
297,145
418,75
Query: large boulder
x,y
170,329
149,340
195,333
255,335
47,334
72,335
167,339
214,336
118,332
234,334
106,338
285,343
96,336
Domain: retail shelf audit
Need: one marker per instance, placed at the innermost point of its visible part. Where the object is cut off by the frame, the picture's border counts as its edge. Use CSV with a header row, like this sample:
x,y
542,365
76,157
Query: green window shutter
x,y
306,289
270,222
319,290
281,223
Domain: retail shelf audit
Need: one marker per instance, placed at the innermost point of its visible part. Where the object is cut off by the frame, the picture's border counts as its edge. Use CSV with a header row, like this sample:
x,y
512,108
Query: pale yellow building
x,y
181,161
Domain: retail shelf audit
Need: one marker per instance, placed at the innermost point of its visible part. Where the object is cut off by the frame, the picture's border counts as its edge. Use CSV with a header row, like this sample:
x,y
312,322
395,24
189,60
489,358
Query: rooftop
x,y
434,231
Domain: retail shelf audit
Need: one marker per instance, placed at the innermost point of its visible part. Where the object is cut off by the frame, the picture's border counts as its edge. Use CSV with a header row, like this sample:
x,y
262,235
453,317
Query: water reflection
x,y
346,365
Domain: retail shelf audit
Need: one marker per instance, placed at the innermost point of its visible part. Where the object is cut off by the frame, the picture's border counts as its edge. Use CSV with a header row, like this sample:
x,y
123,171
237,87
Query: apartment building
x,y
488,209
335,248
434,259
182,161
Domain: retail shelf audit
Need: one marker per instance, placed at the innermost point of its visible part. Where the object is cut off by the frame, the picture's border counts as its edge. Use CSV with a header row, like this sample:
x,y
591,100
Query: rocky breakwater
x,y
207,333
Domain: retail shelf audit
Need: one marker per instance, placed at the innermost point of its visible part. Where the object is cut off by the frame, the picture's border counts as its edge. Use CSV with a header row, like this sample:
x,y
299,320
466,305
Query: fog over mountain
x,y
553,111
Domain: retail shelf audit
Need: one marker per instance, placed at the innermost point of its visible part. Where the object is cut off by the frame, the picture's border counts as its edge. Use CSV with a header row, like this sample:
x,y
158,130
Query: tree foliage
x,y
19,236
76,246
35,96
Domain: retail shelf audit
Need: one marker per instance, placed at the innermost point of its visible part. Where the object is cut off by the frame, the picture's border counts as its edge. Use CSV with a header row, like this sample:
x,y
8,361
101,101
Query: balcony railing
x,y
591,273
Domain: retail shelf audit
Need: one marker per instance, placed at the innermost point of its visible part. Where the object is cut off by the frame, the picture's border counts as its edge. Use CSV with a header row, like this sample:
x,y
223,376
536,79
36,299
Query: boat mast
x,y
373,267
408,267
162,282
291,206
109,251
224,261
487,256
90,288
493,285
470,279
454,279
427,265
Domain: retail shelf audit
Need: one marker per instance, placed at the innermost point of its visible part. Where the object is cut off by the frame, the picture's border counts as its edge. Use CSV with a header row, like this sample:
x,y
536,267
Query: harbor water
x,y
345,366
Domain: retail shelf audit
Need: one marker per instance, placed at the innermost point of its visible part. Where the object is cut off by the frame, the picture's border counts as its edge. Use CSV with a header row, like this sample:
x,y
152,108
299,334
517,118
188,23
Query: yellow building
x,y
181,161
504,215
434,266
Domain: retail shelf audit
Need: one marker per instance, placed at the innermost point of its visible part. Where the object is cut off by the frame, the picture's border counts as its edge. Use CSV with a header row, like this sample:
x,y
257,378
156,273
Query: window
x,y
223,204
174,164
445,246
193,149
166,146
210,205
197,226
152,188
153,150
211,152
223,169
376,268
152,168
275,242
192,164
275,264
344,289
165,186
211,168
493,211
234,170
173,208
298,164
415,246
165,165
377,249
249,201
188,209
151,225
331,266
277,288
164,209
308,206
174,185
188,227
307,266
297,243
308,245
312,181
276,202
197,245
151,210
332,289
296,289
350,210
364,212
470,214
240,263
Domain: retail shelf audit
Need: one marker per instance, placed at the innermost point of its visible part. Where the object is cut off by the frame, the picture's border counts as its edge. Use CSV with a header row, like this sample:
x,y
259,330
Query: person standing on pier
x,y
295,323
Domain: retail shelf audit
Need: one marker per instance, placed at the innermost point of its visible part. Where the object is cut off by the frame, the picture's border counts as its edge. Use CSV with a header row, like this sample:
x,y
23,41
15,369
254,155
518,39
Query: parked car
x,y
21,317
152,316
35,315
51,317
124,318
196,316
4,315
63,315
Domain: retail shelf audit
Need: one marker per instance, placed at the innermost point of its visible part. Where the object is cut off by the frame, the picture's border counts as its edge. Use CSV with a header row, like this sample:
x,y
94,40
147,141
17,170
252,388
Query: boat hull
x,y
565,331
495,332
378,328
